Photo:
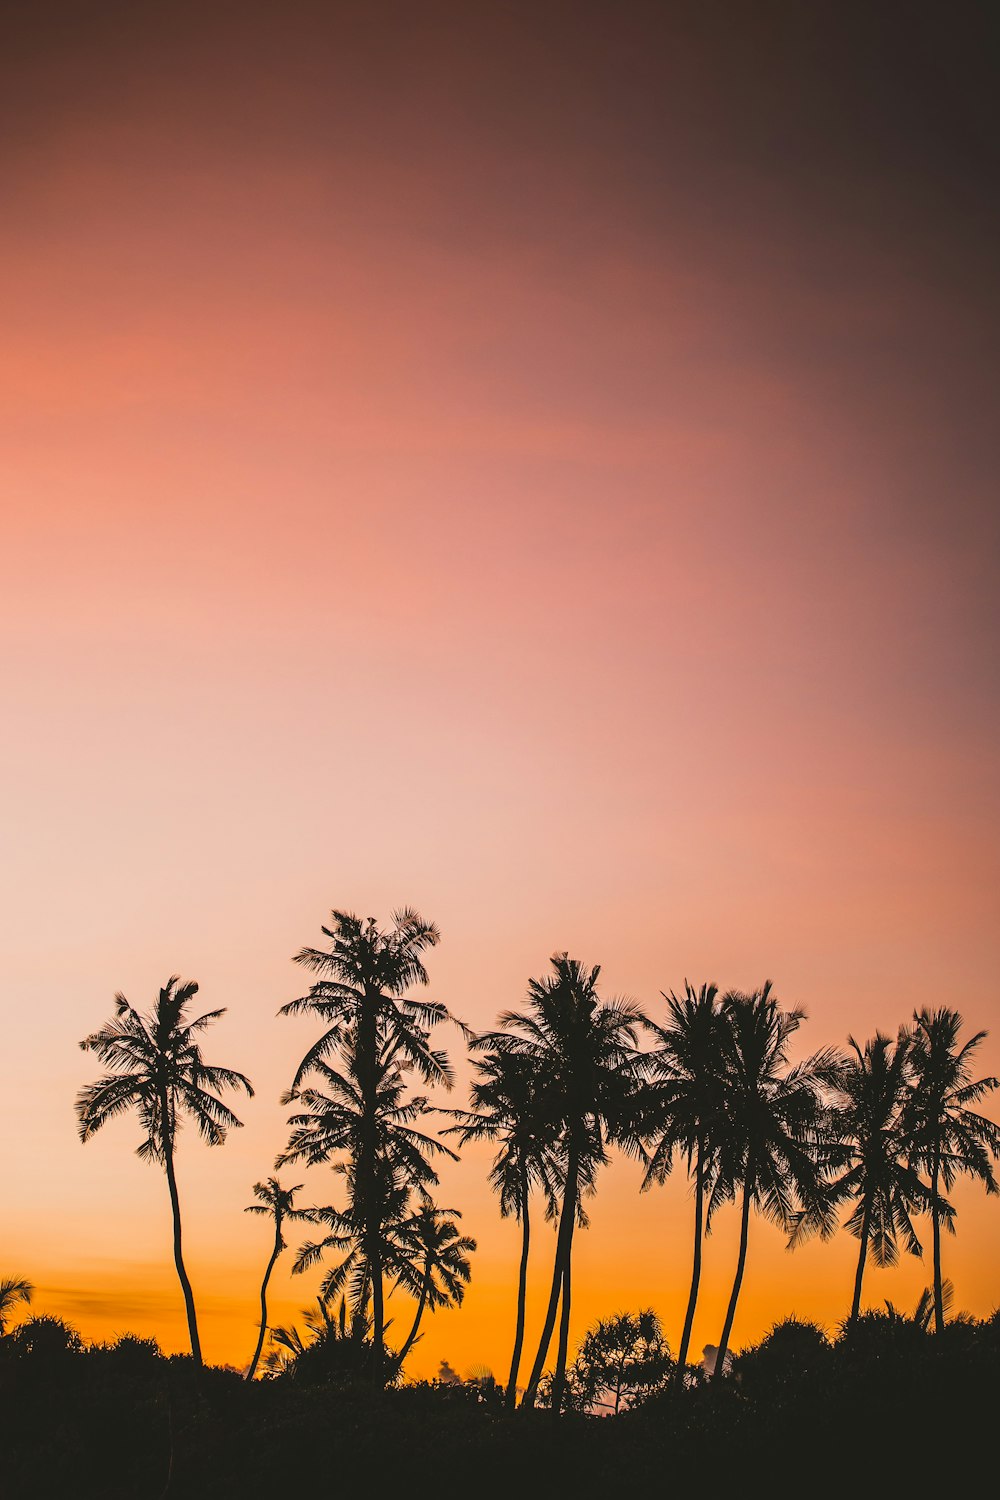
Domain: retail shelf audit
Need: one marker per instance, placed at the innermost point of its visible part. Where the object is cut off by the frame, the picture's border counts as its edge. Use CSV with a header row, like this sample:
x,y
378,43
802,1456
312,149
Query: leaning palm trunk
x,y
182,1275
563,1245
862,1257
936,1233
720,1358
408,1342
252,1369
559,1378
522,1293
699,1215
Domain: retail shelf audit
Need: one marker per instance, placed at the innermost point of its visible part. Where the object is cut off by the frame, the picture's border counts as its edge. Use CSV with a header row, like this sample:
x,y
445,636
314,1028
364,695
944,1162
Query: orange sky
x,y
535,466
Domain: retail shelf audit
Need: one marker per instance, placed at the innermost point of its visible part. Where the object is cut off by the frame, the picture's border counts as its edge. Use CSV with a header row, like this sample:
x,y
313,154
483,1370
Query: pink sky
x,y
411,498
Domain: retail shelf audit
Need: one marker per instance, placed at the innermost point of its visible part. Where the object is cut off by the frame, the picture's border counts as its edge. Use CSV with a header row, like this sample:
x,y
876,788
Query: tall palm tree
x,y
277,1203
946,1138
584,1055
13,1290
867,1122
686,1109
335,1122
360,994
508,1108
156,1067
770,1148
437,1269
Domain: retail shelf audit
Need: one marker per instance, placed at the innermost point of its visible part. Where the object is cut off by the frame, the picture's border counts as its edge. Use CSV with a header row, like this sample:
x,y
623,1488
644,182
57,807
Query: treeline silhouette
x,y
874,1137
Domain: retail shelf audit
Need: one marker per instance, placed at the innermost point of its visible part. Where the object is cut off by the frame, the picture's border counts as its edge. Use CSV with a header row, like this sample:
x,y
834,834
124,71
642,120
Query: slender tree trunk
x,y
368,1185
416,1322
522,1294
182,1275
862,1257
251,1372
936,1232
699,1233
720,1358
565,1235
559,1379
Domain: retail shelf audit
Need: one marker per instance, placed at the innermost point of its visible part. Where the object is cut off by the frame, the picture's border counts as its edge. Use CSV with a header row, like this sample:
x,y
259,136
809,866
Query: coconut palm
x,y
14,1291
336,1123
686,1109
509,1109
437,1268
277,1203
770,1147
360,994
867,1122
946,1139
156,1068
584,1055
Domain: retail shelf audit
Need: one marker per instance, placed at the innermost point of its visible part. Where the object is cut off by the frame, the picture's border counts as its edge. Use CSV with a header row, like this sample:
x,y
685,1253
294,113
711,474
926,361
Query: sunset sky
x,y
536,463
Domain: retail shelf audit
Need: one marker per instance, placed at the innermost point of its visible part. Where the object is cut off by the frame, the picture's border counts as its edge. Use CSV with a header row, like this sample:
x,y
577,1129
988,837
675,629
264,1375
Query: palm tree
x,y
156,1067
946,1139
13,1290
687,1102
585,1059
507,1107
770,1147
867,1122
279,1204
361,995
437,1269
336,1123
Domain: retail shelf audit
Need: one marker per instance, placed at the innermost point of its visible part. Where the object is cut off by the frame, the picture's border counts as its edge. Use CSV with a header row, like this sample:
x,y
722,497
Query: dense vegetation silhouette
x,y
883,1130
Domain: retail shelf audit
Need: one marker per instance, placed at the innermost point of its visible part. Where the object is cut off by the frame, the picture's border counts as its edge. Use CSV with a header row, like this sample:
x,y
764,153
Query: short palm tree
x,y
770,1145
584,1056
436,1270
946,1139
686,1110
14,1292
156,1068
277,1203
867,1122
508,1108
360,995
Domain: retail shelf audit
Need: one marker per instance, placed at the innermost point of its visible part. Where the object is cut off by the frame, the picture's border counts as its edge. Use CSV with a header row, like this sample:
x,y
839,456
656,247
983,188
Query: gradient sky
x,y
536,463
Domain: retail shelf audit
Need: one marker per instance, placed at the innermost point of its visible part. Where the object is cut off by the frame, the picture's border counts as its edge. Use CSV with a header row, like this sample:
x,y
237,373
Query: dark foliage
x,y
791,1400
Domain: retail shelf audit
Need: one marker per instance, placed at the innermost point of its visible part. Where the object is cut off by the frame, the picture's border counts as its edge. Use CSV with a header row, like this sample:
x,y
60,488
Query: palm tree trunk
x,y
559,1379
862,1257
720,1358
251,1372
368,1174
182,1275
565,1235
699,1215
416,1322
936,1232
522,1293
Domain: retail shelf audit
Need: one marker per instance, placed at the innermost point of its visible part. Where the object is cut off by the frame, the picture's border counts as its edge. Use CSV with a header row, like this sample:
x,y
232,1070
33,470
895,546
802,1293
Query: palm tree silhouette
x,y
770,1145
946,1139
508,1108
337,1123
686,1109
156,1067
584,1056
361,994
867,1122
279,1204
14,1290
436,1270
